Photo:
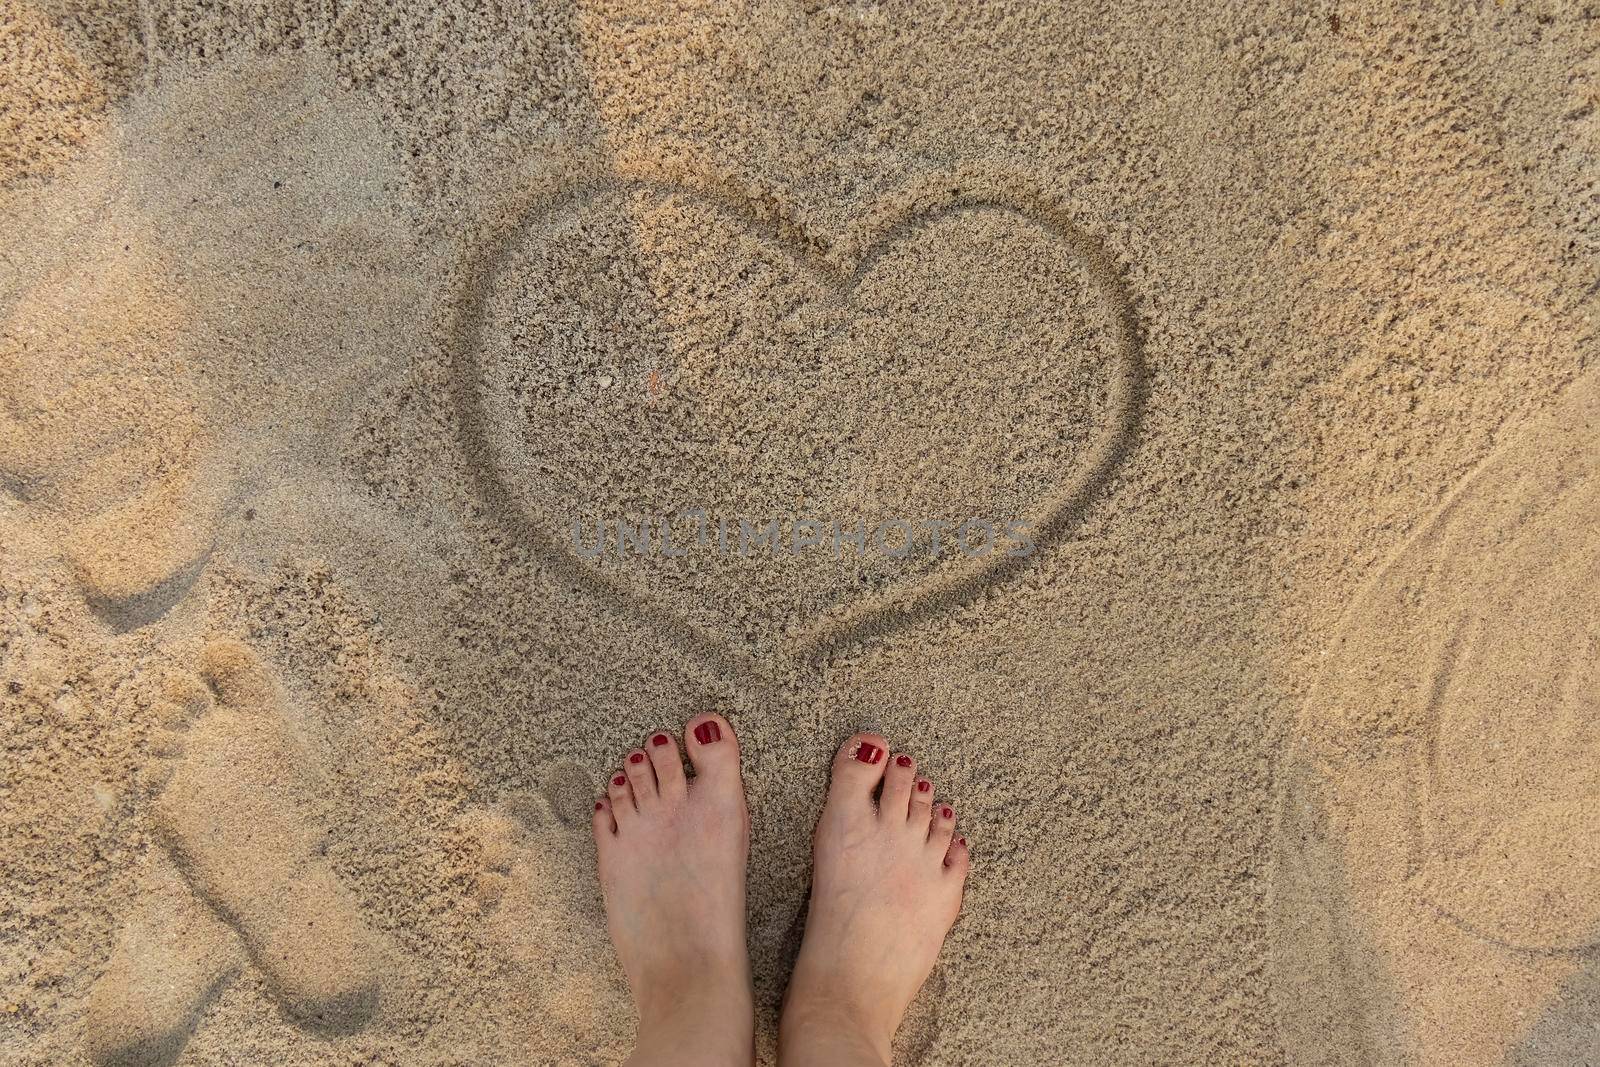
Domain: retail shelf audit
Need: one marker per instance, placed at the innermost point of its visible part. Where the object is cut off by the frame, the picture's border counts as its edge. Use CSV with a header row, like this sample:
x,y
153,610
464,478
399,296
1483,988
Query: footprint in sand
x,y
99,432
257,889
172,959
1439,844
153,330
231,829
545,922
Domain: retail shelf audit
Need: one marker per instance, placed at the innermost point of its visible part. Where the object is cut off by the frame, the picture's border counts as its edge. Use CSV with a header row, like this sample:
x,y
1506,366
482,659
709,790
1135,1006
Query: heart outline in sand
x,y
842,263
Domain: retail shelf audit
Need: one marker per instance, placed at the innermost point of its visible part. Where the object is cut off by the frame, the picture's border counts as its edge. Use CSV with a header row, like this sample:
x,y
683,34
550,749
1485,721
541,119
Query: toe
x,y
641,779
958,858
895,801
943,827
713,749
604,825
668,765
921,807
621,797
235,673
858,768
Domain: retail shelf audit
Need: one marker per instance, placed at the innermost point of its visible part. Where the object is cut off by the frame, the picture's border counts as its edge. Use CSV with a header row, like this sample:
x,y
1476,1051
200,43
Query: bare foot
x,y
672,867
886,888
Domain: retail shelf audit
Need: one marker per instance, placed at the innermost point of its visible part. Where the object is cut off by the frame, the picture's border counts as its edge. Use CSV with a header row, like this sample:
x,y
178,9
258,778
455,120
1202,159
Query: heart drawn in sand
x,y
638,353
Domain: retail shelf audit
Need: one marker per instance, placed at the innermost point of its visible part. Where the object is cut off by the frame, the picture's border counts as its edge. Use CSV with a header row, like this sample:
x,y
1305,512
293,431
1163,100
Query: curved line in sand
x,y
917,206
1417,739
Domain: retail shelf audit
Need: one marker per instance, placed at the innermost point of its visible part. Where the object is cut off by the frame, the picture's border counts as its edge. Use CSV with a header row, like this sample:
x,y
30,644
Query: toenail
x,y
599,805
636,757
869,753
621,779
923,787
658,740
708,733
962,841
904,761
947,813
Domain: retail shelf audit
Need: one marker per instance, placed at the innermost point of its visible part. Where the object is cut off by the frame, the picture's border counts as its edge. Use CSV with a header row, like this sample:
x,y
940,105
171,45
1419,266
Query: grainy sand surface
x,y
1273,325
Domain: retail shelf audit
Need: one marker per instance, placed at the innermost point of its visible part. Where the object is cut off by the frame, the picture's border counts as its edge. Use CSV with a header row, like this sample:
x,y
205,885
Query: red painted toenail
x,y
658,740
599,805
869,753
961,841
636,757
619,780
904,761
947,813
708,733
923,787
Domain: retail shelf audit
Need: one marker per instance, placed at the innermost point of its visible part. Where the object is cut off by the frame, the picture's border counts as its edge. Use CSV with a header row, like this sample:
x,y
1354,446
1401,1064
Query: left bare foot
x,y
672,867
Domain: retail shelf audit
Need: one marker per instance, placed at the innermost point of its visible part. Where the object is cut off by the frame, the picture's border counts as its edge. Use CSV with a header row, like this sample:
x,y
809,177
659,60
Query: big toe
x,y
713,750
235,673
858,768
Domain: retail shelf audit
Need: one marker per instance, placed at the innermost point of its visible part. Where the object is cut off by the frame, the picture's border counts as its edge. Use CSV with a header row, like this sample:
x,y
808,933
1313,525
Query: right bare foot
x,y
885,891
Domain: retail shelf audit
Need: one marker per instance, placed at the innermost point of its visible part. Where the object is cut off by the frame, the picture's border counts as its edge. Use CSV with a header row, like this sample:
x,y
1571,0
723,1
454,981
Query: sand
x,y
1272,328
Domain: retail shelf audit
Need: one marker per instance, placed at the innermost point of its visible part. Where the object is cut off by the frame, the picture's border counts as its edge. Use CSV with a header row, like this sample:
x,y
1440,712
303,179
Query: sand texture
x,y
325,327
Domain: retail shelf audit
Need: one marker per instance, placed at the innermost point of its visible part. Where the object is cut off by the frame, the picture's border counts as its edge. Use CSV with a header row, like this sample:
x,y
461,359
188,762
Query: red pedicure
x,y
636,757
658,740
962,841
947,813
904,761
869,753
708,733
620,780
923,787
599,805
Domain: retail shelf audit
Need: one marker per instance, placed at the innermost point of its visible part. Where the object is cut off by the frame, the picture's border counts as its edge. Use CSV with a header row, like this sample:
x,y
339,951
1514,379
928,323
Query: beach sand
x,y
1271,721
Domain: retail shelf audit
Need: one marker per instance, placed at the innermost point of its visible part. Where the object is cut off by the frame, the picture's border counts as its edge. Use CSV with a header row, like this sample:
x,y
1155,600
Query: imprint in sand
x,y
633,347
543,916
1444,787
172,959
227,817
229,821
175,955
100,432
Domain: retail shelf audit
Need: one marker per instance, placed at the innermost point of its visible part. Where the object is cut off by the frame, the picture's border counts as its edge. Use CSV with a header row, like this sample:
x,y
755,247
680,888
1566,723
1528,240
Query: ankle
x,y
821,1029
716,1020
